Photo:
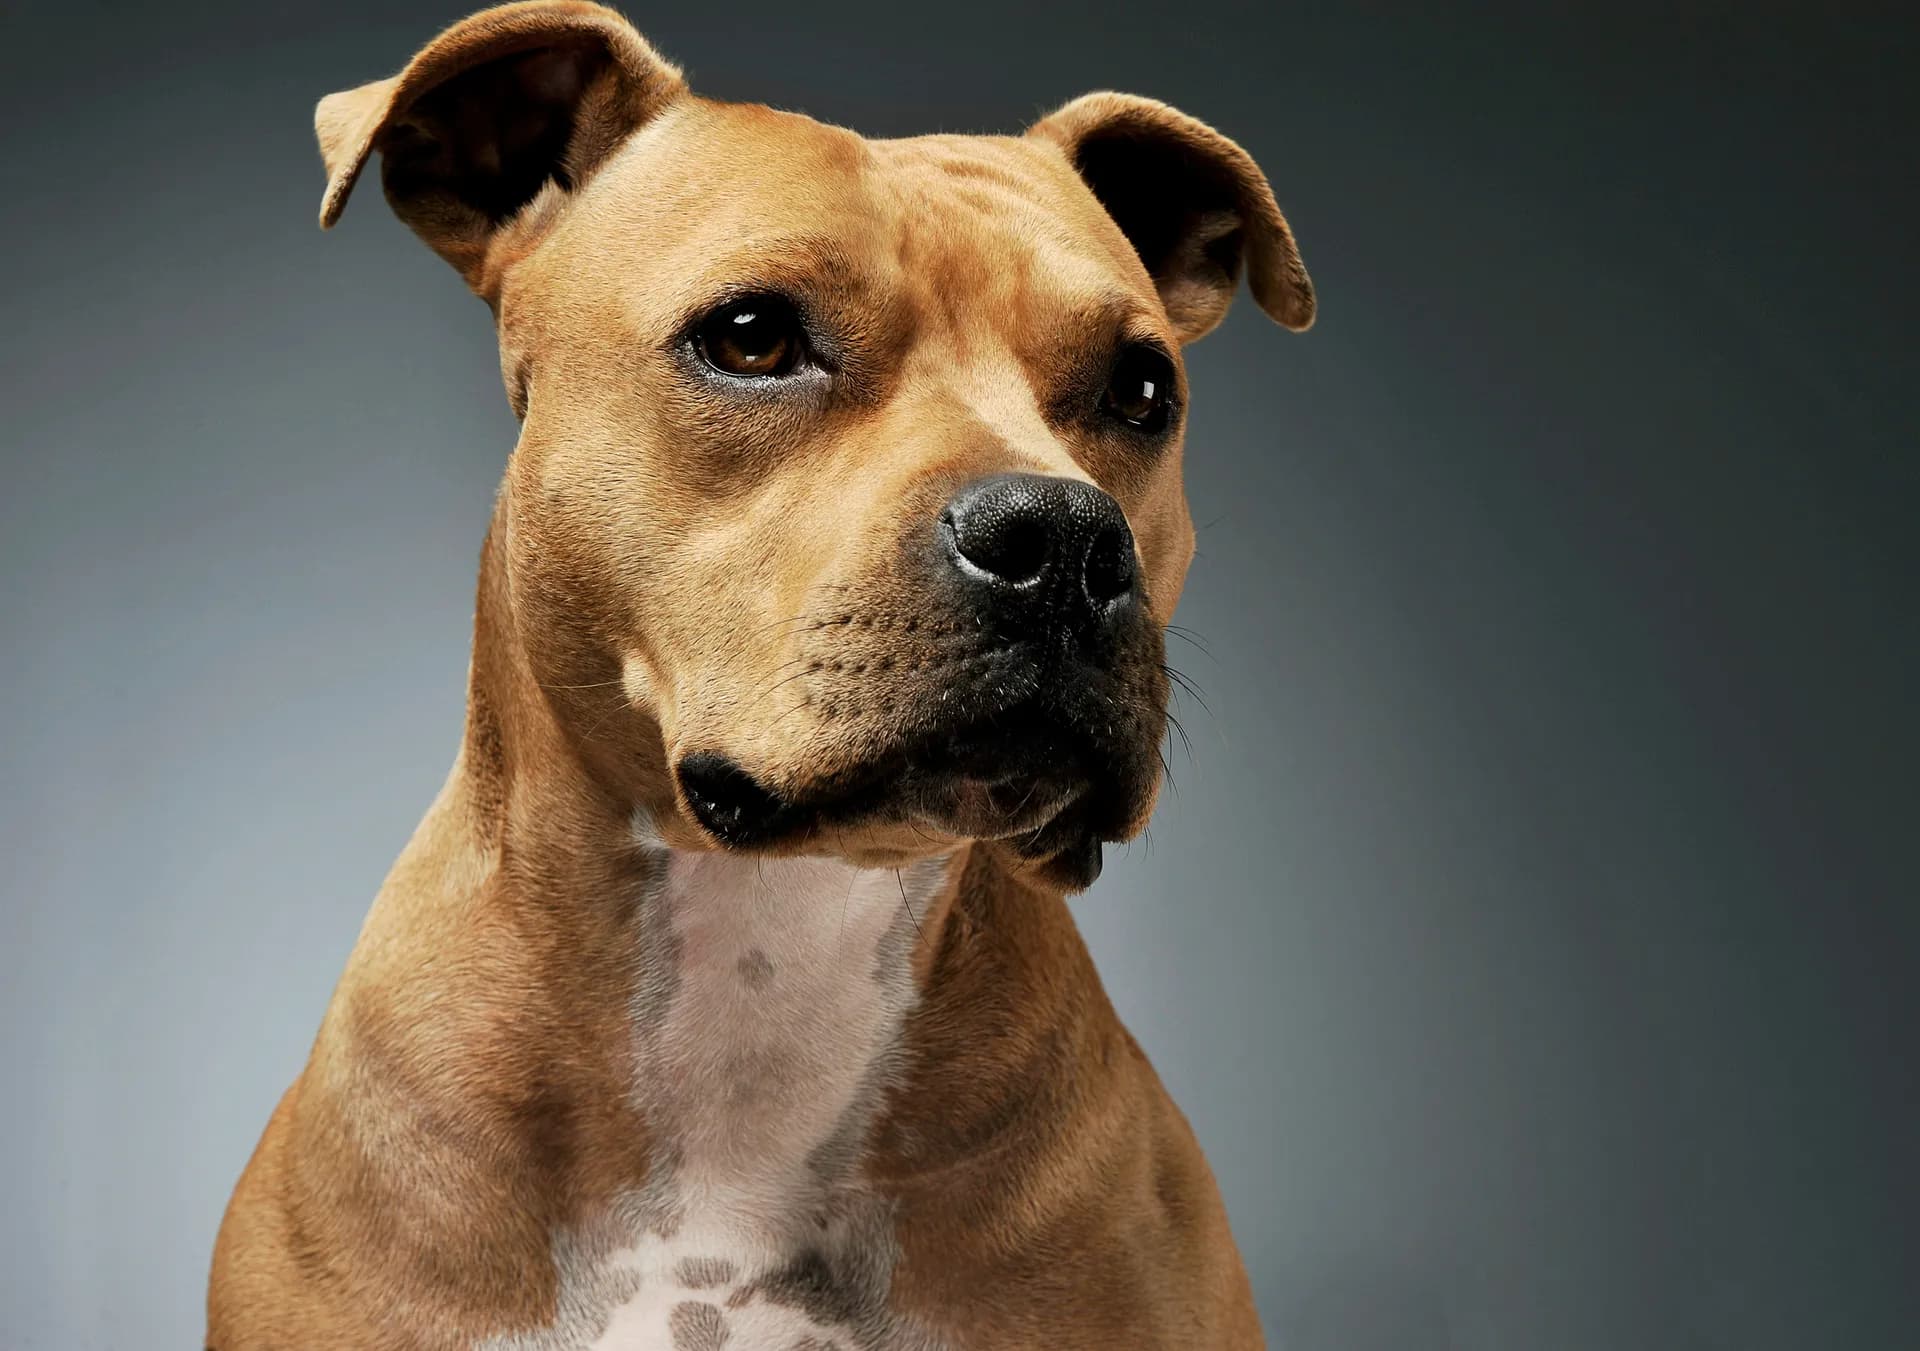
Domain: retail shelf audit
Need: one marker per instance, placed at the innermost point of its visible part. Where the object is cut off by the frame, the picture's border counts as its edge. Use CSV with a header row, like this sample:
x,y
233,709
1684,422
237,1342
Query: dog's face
x,y
847,510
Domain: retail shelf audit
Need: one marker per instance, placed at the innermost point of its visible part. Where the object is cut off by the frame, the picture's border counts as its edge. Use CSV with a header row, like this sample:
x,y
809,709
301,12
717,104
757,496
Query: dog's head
x,y
847,512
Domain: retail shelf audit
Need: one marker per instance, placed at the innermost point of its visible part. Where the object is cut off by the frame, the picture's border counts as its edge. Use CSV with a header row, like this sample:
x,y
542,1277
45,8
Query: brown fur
x,y
666,572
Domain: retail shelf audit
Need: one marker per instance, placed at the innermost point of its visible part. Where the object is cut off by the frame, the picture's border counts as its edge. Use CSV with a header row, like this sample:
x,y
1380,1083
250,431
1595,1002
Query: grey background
x,y
1532,939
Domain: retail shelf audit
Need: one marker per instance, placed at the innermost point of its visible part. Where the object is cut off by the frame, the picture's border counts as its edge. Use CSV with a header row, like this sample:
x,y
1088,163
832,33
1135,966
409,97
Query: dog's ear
x,y
1195,206
490,112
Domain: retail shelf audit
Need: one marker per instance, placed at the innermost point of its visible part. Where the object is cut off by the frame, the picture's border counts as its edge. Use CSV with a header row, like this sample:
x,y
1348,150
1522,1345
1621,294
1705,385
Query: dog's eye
x,y
1140,389
760,335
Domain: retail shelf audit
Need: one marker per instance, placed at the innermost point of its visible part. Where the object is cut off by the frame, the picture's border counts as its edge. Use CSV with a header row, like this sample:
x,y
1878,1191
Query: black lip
x,y
1068,851
1015,754
730,803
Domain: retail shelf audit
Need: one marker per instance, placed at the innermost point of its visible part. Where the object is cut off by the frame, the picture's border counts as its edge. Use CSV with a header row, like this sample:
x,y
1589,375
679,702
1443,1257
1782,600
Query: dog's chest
x,y
766,1016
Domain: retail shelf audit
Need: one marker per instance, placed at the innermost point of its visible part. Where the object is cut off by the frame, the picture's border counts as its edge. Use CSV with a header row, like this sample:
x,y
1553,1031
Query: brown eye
x,y
1140,389
760,335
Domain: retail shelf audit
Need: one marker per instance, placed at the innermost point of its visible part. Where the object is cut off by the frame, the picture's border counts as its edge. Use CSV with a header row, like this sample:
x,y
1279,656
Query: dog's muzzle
x,y
1039,724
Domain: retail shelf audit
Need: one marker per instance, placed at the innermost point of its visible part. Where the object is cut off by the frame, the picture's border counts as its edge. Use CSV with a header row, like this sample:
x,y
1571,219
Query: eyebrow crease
x,y
1120,314
809,260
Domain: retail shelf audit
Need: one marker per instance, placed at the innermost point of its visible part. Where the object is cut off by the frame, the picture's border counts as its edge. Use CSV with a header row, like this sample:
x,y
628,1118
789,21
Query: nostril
x,y
1110,569
1008,544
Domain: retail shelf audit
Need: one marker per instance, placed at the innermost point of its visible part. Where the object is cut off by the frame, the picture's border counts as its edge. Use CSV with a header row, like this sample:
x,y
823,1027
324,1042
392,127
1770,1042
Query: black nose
x,y
1062,543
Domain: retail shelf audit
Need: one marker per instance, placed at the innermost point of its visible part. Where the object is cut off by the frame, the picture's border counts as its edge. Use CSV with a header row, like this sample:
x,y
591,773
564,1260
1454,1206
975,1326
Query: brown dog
x,y
726,996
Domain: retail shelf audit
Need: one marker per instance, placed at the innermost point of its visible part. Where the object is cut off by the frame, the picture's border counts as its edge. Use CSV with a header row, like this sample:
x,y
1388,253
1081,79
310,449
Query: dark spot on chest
x,y
756,969
809,1283
702,1273
697,1326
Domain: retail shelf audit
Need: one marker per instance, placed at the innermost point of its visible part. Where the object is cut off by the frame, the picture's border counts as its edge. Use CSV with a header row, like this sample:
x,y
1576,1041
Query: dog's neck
x,y
768,1024
694,1062
760,1000
673,1061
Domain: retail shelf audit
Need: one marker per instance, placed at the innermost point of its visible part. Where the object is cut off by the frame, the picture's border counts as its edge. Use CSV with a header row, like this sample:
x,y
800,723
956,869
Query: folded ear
x,y
1195,206
489,113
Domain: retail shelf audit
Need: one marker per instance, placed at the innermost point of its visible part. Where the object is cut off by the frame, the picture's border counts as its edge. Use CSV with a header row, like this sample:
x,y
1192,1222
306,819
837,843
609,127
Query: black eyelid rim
x,y
686,333
699,311
1147,341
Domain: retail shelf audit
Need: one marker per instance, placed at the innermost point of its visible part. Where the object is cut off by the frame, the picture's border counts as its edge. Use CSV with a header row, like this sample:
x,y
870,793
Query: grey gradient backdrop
x,y
1532,939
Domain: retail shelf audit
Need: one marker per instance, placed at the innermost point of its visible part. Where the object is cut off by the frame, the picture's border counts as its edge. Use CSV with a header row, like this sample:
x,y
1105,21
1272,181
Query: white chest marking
x,y
769,1005
790,979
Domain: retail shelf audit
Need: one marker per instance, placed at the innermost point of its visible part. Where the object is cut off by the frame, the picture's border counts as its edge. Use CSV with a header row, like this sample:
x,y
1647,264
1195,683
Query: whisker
x,y
909,905
795,619
1187,686
1032,788
1192,639
782,681
1034,838
1186,741
790,712
601,721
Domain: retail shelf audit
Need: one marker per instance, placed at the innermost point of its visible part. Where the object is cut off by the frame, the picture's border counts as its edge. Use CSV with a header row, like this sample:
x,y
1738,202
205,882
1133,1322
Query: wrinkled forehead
x,y
712,197
970,206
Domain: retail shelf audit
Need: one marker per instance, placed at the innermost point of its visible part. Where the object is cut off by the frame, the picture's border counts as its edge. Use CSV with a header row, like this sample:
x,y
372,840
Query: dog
x,y
727,995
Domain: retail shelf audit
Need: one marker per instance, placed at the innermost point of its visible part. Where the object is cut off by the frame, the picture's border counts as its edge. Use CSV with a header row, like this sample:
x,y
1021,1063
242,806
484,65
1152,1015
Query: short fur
x,y
505,1099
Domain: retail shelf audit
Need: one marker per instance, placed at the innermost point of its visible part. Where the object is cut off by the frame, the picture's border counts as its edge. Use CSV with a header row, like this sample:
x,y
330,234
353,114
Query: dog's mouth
x,y
1046,789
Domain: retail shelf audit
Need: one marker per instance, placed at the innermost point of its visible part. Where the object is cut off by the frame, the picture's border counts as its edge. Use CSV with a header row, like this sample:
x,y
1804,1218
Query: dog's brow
x,y
1125,314
1113,313
805,262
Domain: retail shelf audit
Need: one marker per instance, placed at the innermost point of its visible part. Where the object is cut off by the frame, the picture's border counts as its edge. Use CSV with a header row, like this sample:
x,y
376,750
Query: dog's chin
x,y
1049,804
967,806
